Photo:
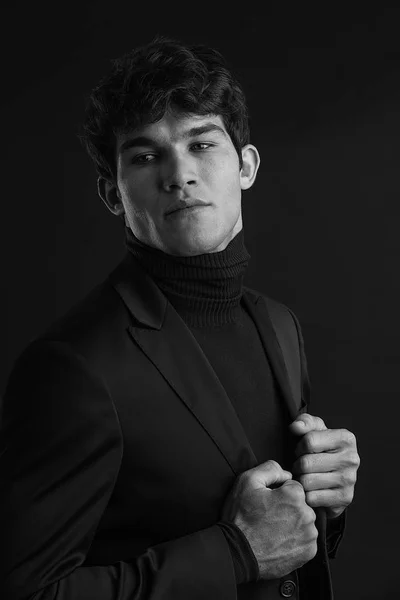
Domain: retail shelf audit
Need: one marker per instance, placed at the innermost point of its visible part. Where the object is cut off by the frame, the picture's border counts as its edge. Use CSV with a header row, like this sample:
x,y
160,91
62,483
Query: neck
x,y
205,289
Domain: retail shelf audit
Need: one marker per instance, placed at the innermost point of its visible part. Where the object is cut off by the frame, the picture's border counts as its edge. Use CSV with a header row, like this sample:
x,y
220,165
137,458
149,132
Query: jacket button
x,y
287,588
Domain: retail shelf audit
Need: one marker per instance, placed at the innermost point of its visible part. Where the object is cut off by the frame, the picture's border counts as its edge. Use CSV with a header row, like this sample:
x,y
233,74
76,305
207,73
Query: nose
x,y
177,173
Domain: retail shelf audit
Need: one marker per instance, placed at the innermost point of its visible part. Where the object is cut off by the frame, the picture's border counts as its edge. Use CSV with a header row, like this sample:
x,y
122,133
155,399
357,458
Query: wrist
x,y
244,561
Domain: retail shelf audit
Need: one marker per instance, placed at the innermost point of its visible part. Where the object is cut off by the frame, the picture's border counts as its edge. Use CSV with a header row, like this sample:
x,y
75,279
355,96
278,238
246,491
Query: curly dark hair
x,y
151,79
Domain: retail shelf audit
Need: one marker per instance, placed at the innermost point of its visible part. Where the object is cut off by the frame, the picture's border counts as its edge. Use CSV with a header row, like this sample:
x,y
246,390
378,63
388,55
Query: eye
x,y
142,159
204,145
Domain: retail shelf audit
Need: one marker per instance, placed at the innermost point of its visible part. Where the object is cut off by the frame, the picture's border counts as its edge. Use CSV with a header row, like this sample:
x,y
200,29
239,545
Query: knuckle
x,y
310,440
338,496
349,477
294,488
306,417
273,465
344,495
312,533
350,459
305,463
315,533
246,477
354,460
311,516
349,495
347,437
352,477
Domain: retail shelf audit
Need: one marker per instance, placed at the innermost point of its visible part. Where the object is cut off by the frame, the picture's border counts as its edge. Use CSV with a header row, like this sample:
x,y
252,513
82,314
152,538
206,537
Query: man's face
x,y
179,184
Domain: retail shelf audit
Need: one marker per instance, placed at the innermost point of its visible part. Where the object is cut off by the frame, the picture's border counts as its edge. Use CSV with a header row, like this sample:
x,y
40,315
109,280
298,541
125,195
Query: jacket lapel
x,y
180,359
169,344
258,311
166,340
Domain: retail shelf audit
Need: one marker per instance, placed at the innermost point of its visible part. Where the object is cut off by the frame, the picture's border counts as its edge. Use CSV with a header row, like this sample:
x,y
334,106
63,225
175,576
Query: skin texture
x,y
275,512
172,167
277,522
326,465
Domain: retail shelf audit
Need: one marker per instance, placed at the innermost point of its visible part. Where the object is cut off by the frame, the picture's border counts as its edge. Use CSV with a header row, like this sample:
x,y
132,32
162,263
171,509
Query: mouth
x,y
188,210
185,208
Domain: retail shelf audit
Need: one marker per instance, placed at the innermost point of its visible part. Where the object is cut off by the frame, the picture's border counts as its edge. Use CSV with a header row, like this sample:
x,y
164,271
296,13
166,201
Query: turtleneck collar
x,y
206,289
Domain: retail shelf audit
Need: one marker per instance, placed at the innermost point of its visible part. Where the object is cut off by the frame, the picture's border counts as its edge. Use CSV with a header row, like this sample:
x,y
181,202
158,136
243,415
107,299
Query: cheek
x,y
130,185
225,175
135,194
230,186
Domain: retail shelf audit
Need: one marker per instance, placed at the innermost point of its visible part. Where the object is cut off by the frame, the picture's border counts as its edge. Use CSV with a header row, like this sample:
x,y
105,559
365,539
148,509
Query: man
x,y
155,442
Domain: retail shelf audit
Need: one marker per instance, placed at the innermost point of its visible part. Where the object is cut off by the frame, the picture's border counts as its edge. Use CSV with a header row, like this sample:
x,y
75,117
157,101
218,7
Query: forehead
x,y
173,127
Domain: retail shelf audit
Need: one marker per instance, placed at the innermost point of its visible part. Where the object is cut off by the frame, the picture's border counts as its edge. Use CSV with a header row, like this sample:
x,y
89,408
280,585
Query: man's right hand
x,y
276,521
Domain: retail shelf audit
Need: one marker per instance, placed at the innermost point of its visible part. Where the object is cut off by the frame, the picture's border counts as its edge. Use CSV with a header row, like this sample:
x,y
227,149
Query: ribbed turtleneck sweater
x,y
206,291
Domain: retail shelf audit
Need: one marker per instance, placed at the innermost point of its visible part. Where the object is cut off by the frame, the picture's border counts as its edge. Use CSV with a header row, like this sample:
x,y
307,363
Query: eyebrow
x,y
143,140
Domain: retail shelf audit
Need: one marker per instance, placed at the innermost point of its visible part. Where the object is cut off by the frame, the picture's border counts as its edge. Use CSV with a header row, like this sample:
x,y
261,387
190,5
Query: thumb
x,y
270,474
305,423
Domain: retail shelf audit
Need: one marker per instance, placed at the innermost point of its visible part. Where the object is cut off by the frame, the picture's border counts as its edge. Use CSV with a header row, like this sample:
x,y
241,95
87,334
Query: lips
x,y
182,204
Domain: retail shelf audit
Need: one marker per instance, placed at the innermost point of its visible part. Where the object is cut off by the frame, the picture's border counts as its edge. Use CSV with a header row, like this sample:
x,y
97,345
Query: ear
x,y
251,162
109,193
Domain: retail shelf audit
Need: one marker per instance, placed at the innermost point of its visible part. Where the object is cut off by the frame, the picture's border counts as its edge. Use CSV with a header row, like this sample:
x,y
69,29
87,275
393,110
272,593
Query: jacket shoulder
x,y
93,324
97,310
272,303
282,317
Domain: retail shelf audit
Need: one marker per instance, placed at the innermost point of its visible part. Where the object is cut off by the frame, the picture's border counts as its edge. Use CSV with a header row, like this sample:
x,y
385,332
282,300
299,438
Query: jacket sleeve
x,y
60,453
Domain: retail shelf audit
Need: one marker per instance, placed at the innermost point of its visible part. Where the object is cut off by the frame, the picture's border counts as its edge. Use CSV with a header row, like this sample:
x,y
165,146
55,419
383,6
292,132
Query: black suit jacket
x,y
118,448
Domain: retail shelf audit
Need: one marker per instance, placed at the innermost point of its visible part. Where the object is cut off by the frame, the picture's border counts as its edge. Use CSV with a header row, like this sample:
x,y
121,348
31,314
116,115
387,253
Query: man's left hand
x,y
326,465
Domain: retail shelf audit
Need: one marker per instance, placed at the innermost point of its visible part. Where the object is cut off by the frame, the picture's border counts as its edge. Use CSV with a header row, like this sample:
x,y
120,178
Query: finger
x,y
305,423
294,487
332,498
319,463
268,474
329,440
320,481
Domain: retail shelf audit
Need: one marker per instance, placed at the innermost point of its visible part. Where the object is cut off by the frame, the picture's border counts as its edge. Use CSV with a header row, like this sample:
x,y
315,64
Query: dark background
x,y
321,222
